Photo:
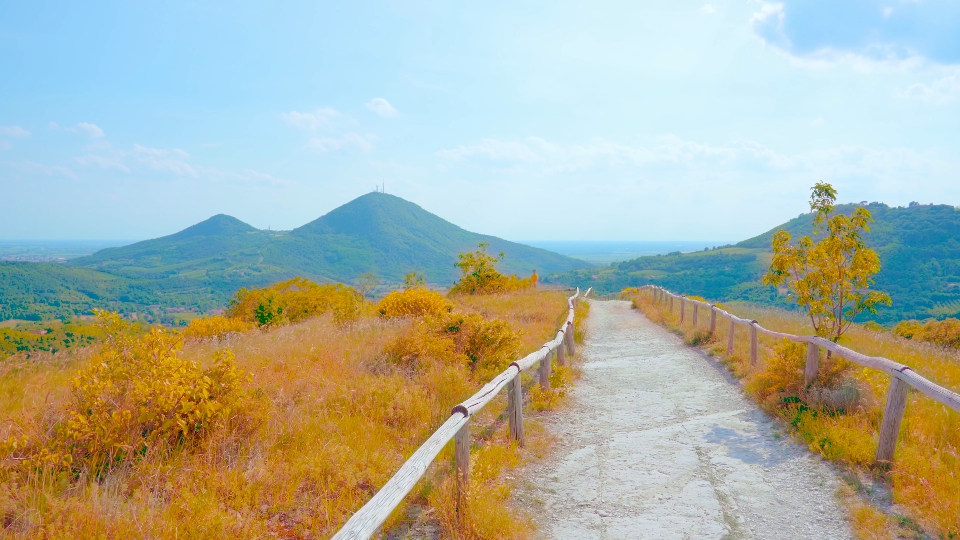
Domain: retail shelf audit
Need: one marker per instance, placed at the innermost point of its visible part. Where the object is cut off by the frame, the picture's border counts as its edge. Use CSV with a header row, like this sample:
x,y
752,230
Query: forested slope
x,y
919,248
202,266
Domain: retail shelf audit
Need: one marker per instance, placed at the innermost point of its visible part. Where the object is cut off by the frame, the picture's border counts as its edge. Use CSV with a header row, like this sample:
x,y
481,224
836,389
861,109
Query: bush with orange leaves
x,y
295,300
215,327
945,333
413,302
135,396
487,346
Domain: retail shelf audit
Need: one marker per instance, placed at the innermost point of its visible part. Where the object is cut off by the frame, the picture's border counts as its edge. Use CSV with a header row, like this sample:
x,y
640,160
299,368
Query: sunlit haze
x,y
656,121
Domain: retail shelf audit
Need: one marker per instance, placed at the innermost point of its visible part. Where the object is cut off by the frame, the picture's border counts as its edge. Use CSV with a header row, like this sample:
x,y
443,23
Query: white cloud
x,y
344,143
53,125
322,117
49,170
248,176
943,90
102,162
817,122
91,130
16,132
539,157
381,107
708,9
165,160
868,37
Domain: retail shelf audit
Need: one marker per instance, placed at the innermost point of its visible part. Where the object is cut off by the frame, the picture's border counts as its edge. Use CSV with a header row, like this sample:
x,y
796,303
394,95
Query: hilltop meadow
x,y
279,418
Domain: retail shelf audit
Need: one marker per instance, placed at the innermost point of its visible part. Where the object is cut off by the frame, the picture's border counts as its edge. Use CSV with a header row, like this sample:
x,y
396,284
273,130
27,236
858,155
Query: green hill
x,y
919,248
202,266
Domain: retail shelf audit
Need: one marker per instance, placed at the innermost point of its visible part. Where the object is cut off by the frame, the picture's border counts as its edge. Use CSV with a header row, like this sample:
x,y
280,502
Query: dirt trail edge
x,y
657,442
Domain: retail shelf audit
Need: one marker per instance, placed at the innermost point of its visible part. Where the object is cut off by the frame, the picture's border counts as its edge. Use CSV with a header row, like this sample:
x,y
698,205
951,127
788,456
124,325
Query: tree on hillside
x,y
479,274
830,278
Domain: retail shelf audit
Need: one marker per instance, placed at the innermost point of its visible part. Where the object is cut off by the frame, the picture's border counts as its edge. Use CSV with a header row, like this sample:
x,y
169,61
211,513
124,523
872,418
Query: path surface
x,y
657,442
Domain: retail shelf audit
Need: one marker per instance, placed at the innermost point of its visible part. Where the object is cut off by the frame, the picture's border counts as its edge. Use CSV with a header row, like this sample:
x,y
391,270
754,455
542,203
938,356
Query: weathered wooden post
x,y
461,444
545,371
813,363
713,319
561,355
683,310
892,417
671,304
696,309
515,409
730,336
753,344
569,337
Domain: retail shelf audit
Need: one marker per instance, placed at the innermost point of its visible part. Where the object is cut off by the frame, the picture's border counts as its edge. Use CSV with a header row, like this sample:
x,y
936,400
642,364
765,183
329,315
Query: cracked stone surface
x,y
658,442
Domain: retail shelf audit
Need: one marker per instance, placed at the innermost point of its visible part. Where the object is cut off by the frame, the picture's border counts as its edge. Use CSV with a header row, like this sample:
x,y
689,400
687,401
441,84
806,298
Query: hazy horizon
x,y
598,252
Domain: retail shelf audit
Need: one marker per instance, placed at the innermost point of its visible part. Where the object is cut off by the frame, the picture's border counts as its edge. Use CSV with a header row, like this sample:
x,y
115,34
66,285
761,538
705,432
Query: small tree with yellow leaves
x,y
830,278
479,274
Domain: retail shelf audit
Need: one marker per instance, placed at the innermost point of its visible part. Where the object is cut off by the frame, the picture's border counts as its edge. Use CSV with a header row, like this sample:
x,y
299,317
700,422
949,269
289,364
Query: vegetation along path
x,y
658,442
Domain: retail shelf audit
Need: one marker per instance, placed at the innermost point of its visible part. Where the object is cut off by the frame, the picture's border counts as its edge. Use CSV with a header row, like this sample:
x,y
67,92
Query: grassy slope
x,y
919,249
334,421
203,265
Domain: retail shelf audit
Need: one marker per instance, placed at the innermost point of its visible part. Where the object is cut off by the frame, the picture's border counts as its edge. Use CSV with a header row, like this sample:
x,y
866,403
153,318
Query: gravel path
x,y
658,442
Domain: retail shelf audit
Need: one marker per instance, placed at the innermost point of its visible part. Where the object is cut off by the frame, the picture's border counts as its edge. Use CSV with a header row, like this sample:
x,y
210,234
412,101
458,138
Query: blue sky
x,y
538,120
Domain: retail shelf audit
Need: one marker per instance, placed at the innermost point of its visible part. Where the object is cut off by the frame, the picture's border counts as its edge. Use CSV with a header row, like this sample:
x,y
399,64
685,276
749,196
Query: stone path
x,y
658,442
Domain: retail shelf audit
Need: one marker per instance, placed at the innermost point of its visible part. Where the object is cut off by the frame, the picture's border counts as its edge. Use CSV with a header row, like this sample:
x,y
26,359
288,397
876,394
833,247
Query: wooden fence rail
x,y
367,521
901,376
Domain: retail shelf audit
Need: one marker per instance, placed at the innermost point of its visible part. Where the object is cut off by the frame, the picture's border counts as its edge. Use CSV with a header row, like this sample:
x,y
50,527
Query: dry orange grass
x,y
839,418
333,420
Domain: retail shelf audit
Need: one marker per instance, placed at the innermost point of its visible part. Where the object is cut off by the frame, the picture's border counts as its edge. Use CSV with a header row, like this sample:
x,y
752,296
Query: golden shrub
x,y
782,376
413,302
137,393
945,333
487,346
215,327
479,274
908,329
295,300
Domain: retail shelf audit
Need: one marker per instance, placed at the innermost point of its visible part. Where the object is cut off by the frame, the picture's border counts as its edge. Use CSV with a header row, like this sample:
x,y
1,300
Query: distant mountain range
x,y
202,266
919,248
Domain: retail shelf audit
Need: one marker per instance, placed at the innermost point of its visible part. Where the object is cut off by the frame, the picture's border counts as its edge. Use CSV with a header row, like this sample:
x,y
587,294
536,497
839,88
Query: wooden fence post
x,y
813,363
461,443
753,344
730,335
713,319
571,342
671,304
545,371
561,355
892,417
683,310
515,409
696,309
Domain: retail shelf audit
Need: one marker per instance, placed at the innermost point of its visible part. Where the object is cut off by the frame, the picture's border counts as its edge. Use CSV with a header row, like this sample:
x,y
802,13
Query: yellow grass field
x,y
324,418
839,415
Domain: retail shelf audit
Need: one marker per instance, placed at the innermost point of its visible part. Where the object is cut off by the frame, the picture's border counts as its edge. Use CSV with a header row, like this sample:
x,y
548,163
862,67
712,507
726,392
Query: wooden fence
x,y
901,376
367,521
